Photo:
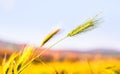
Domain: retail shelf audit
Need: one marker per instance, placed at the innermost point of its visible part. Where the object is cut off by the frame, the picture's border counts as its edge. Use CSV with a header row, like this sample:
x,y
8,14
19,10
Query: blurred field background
x,y
27,22
96,61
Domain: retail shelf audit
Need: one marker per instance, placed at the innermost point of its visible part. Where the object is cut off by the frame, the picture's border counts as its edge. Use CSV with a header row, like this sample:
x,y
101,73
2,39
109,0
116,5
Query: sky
x,y
29,21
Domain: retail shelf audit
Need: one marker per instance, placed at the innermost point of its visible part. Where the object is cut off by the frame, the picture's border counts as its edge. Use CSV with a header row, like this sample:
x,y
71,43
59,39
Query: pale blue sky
x,y
29,21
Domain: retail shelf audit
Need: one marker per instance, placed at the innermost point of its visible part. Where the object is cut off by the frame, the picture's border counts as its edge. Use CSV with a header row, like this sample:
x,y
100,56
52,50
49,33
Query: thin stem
x,y
40,54
51,46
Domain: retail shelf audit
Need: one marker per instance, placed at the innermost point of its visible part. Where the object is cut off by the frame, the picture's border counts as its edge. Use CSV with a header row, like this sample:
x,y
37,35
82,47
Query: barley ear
x,y
7,65
84,27
49,36
25,56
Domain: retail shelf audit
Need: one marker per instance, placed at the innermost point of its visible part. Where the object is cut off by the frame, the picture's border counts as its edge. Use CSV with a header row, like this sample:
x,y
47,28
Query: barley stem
x,y
81,28
51,46
40,54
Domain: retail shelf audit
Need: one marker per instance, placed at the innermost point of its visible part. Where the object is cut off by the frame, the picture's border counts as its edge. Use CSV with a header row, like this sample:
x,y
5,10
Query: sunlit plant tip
x,y
49,36
84,27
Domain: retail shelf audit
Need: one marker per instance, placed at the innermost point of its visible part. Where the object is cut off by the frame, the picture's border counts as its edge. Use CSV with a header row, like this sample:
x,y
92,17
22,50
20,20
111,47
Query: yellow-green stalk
x,y
81,28
23,62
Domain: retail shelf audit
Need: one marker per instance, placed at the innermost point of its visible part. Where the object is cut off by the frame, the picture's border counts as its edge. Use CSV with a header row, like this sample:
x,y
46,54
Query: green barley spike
x,y
84,27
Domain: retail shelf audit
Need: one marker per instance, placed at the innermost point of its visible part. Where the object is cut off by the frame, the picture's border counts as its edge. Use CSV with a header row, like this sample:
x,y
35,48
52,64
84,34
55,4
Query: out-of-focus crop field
x,y
99,61
97,66
85,66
